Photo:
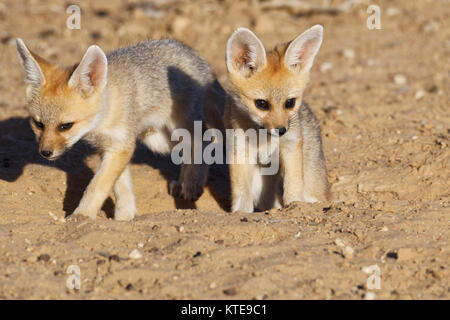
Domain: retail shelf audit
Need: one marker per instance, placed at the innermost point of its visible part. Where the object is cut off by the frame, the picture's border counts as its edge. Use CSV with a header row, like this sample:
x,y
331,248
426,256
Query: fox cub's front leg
x,y
112,167
292,168
241,191
304,172
125,200
190,183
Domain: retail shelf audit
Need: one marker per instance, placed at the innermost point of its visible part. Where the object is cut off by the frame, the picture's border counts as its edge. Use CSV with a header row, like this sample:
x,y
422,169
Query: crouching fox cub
x,y
143,91
265,92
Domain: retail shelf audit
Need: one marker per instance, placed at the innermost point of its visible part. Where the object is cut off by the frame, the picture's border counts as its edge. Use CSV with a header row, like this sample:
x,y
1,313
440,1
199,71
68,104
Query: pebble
x,y
326,66
297,235
392,255
392,11
400,79
348,252
349,53
339,242
419,94
213,285
135,254
431,26
31,259
114,257
230,292
140,245
43,257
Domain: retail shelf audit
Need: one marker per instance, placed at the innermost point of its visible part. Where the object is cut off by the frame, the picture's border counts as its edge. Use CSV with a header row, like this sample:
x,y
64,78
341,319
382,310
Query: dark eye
x,y
290,103
65,126
38,124
262,104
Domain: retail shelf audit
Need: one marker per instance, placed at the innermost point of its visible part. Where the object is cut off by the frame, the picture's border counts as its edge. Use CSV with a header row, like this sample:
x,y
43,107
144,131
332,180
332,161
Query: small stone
x,y
326,66
114,257
197,254
43,257
339,242
297,235
129,287
140,245
213,285
348,252
135,254
392,11
431,26
419,94
433,89
230,292
392,255
348,53
31,259
400,79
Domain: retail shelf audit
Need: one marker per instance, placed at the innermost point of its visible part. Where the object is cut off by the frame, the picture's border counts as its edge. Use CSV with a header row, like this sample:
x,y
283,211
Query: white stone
x,y
135,254
419,94
324,67
400,79
349,53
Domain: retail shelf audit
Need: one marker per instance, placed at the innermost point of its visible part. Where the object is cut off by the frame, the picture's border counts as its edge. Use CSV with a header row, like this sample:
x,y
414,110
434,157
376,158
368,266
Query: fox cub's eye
x,y
262,104
290,103
38,124
65,126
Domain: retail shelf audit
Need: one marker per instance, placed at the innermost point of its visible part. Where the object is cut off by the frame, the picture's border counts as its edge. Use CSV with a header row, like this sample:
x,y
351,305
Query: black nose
x,y
46,153
281,131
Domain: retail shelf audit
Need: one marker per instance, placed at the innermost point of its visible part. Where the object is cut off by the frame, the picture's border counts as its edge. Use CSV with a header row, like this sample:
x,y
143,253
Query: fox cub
x,y
143,91
265,92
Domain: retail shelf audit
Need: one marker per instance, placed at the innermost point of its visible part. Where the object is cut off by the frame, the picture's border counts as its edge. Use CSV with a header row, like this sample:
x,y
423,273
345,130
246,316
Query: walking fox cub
x,y
143,91
265,91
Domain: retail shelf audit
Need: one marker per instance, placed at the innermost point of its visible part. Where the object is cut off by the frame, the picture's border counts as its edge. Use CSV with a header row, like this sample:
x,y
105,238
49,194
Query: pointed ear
x,y
33,72
302,50
91,73
245,53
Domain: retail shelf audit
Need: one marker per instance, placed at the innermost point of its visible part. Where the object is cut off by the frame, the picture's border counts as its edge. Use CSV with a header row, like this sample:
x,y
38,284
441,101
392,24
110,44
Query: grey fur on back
x,y
161,77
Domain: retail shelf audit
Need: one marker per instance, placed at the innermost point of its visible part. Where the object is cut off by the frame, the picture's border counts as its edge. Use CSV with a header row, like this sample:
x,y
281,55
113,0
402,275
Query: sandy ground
x,y
382,98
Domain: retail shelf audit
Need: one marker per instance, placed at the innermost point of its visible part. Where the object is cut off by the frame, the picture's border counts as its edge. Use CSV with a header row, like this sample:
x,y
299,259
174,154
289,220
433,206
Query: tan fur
x,y
303,172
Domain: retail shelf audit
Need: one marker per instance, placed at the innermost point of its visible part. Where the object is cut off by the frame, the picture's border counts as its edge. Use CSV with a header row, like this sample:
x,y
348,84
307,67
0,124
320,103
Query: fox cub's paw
x,y
190,191
85,213
243,204
125,213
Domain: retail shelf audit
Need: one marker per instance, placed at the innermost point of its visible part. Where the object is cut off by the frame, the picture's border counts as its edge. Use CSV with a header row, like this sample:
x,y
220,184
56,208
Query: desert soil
x,y
382,99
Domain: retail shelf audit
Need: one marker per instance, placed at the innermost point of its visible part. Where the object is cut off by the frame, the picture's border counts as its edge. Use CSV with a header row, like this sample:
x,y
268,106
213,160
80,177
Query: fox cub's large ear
x,y
91,73
302,50
33,72
245,53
